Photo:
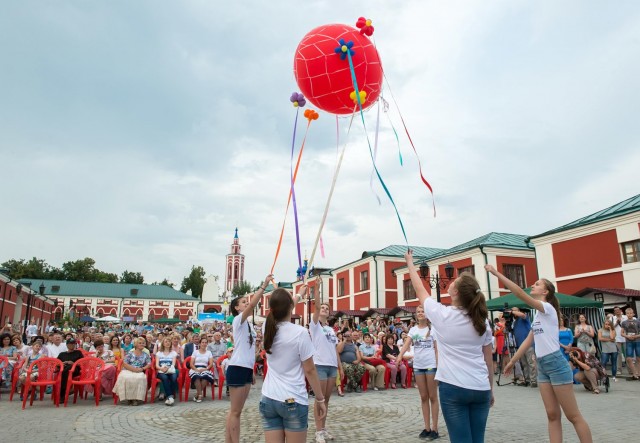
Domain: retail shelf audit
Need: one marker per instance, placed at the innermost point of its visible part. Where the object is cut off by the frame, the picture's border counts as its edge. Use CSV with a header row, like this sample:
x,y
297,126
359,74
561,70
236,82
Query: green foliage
x,y
242,288
164,282
35,268
194,281
132,278
85,270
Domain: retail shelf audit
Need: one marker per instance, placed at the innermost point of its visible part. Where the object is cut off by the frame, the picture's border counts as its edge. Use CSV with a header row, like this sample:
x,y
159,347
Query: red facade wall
x,y
356,277
343,303
613,280
390,279
529,264
457,264
344,275
362,300
591,253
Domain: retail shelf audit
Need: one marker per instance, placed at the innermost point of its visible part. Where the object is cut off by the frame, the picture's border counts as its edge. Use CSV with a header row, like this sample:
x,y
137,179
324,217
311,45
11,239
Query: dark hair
x,y
98,343
472,300
387,337
280,303
3,336
586,319
233,307
552,299
564,321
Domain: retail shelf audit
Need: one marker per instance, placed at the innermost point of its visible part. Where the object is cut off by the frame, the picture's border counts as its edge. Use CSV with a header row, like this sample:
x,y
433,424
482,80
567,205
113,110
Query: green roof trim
x,y
492,239
400,250
627,206
109,290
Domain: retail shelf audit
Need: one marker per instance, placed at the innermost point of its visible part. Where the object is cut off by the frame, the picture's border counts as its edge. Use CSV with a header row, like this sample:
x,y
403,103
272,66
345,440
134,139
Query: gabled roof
x,y
492,239
109,290
620,292
399,251
627,206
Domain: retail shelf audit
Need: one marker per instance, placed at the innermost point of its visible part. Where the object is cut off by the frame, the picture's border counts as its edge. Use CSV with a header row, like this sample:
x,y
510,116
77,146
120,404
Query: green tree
x,y
132,278
34,268
85,270
194,281
164,282
242,288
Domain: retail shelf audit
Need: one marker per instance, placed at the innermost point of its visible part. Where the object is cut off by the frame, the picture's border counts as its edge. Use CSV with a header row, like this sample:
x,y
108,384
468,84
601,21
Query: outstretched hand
x,y
490,269
408,256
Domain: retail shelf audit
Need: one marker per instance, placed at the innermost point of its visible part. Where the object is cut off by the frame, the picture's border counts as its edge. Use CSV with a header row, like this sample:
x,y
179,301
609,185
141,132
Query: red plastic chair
x,y
15,376
155,381
265,366
187,381
49,370
90,374
118,369
221,376
407,382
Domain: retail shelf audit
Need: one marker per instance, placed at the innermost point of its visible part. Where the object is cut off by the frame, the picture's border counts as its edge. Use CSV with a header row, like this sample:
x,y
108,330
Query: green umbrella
x,y
566,301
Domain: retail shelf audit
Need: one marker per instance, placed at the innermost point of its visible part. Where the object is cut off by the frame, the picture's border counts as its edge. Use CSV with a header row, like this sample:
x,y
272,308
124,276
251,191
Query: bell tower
x,y
235,265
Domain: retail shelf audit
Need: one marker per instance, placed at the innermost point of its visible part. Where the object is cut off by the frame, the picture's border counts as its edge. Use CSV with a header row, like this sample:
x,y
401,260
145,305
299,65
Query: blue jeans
x,y
169,383
614,361
632,348
465,411
288,416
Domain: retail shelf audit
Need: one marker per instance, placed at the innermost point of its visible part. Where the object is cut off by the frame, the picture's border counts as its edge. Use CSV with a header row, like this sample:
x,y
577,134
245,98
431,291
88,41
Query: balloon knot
x,y
344,49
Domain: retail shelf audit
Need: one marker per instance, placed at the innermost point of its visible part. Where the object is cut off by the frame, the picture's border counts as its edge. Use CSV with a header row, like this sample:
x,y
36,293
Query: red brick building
x,y
18,298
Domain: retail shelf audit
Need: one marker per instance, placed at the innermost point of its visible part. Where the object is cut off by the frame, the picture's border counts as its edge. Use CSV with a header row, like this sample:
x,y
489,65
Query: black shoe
x,y
434,435
425,434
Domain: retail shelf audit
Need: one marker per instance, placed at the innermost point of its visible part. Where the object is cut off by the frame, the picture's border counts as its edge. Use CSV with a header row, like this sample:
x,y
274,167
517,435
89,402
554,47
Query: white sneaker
x,y
171,401
167,402
320,437
327,435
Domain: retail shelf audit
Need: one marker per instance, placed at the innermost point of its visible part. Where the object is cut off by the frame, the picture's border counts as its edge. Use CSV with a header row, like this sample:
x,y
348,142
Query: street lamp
x,y
436,282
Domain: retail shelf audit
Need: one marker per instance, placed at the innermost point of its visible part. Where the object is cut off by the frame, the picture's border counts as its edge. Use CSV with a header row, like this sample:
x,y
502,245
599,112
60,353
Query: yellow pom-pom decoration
x,y
363,96
344,48
368,22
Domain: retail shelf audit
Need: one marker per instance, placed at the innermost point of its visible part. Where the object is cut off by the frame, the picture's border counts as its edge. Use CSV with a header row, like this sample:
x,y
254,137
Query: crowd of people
x,y
450,353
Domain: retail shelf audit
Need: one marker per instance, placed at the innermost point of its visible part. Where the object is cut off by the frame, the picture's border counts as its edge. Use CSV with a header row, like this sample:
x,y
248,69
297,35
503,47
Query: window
x,y
312,292
364,280
471,269
409,292
515,273
631,251
341,287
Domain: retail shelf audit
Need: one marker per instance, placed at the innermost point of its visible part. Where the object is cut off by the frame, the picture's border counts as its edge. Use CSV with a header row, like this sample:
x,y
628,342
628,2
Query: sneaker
x,y
425,434
327,435
161,397
320,437
195,399
171,401
199,400
614,380
167,402
434,435
375,389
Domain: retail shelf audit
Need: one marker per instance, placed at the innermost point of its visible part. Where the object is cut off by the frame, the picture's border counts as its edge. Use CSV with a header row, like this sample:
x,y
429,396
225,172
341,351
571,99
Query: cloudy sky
x,y
142,133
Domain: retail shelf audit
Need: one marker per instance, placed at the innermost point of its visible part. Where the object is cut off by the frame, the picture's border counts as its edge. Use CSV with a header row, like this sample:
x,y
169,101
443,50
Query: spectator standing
x,y
616,319
521,329
565,336
584,333
609,350
630,330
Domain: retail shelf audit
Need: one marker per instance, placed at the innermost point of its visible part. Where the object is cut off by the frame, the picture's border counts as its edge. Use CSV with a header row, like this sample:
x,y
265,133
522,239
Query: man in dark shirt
x,y
521,329
68,358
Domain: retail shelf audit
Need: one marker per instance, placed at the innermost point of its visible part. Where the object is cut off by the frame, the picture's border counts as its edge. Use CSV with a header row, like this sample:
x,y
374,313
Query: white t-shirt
x,y
614,321
424,356
53,351
165,358
325,342
200,359
285,378
460,356
545,331
244,352
32,330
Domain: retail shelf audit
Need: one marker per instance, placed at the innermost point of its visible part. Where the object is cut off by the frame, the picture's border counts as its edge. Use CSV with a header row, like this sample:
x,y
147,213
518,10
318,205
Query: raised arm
x,y
253,302
421,291
515,289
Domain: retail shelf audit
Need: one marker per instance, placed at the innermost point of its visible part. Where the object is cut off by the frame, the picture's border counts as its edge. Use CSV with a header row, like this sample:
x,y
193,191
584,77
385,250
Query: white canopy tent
x,y
109,318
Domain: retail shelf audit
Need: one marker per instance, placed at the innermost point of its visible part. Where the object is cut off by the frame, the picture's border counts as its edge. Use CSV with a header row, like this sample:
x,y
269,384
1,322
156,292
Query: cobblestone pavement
x,y
518,415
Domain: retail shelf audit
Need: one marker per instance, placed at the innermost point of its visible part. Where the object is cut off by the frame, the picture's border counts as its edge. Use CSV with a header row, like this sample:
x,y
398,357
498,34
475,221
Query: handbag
x,y
171,370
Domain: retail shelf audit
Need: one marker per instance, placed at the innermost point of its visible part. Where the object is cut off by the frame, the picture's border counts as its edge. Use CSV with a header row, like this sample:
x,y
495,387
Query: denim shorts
x,y
325,372
238,376
632,349
428,371
554,368
278,415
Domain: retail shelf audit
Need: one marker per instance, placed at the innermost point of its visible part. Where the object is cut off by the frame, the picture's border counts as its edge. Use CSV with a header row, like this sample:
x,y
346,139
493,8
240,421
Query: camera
x,y
508,316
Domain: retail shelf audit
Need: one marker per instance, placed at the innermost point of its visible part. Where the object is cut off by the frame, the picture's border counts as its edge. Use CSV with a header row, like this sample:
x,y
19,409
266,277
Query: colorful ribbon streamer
x,y
384,186
292,196
375,155
424,180
385,107
326,207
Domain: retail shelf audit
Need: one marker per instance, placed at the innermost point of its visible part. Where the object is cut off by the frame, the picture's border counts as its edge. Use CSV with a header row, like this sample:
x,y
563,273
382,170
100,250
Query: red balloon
x,y
325,78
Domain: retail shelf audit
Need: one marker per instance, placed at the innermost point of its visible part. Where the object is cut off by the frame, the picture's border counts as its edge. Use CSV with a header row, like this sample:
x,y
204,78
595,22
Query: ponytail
x,y
472,300
552,299
281,304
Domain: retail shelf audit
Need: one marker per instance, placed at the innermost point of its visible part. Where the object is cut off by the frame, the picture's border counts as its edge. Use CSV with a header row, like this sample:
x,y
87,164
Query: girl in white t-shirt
x,y
284,406
464,354
555,378
166,370
425,360
327,361
240,370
